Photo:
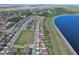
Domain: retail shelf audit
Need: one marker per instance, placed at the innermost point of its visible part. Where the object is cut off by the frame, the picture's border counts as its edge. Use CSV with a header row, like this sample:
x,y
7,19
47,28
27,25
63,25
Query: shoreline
x,y
65,40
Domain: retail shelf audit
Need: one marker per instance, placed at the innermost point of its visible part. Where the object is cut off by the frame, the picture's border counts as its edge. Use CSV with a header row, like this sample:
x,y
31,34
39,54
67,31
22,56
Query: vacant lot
x,y
26,37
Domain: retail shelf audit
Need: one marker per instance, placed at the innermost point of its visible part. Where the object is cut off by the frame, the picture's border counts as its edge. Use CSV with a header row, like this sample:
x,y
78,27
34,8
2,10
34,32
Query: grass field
x,y
26,37
7,9
24,40
54,41
48,38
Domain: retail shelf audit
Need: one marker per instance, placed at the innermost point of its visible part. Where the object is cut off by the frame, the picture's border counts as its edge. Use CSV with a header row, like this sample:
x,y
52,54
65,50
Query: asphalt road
x,y
18,30
35,50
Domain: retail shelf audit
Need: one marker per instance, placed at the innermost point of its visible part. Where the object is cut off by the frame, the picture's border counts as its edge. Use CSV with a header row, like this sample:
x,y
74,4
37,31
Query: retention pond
x,y
68,25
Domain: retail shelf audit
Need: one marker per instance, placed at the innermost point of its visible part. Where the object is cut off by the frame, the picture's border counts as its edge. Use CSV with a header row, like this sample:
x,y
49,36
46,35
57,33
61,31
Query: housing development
x,y
29,30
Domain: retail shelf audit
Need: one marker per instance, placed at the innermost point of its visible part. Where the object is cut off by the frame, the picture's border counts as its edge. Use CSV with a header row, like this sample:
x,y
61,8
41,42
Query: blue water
x,y
69,27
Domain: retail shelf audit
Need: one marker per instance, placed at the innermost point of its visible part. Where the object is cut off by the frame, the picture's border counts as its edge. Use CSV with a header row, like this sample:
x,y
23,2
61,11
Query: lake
x,y
69,27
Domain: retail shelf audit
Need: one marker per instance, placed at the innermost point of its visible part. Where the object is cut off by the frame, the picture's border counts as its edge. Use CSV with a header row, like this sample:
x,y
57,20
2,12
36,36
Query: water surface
x,y
69,27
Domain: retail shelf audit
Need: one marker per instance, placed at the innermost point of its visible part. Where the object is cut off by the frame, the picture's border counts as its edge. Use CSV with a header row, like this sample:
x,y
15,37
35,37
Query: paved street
x,y
38,41
36,38
18,29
